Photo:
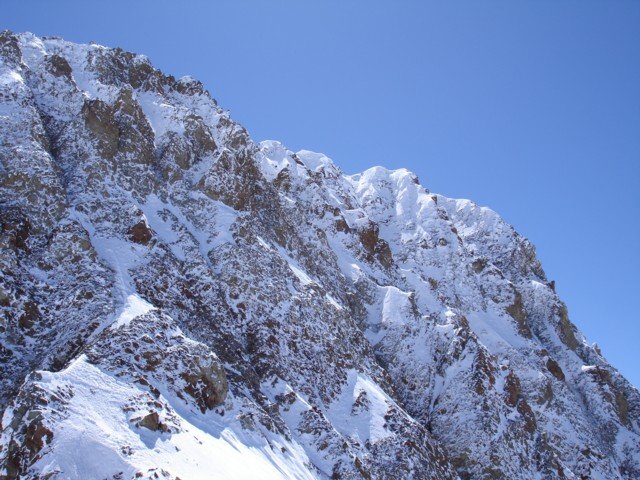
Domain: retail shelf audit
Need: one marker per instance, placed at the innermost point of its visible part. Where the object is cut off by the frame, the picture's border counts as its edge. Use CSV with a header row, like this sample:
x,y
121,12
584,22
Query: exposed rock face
x,y
174,294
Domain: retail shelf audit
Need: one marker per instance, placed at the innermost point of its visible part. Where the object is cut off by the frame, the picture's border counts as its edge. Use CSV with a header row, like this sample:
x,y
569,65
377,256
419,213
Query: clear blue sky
x,y
531,108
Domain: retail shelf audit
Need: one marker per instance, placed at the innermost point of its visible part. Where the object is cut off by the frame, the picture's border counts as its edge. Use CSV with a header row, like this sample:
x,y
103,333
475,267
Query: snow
x,y
275,158
7,78
263,243
97,424
334,302
162,116
120,256
315,161
392,311
295,268
134,306
368,423
225,217
497,332
303,277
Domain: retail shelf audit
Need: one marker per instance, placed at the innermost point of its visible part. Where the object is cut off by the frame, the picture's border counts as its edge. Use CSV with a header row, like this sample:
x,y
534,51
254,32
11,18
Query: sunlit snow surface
x,y
90,442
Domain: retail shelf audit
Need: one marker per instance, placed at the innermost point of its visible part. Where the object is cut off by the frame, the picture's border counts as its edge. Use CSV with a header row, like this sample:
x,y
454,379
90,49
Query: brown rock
x,y
153,423
175,151
206,383
546,395
374,246
555,369
199,135
189,87
483,370
98,117
341,225
479,264
9,48
512,390
58,66
513,398
36,436
140,233
18,229
530,423
518,313
567,329
611,393
135,135
30,315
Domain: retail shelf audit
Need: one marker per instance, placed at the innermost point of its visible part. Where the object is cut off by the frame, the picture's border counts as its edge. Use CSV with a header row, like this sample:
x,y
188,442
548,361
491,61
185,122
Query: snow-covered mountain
x,y
178,301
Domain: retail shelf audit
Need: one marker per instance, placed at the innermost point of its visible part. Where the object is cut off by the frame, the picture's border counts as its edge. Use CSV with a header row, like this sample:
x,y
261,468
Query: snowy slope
x,y
181,302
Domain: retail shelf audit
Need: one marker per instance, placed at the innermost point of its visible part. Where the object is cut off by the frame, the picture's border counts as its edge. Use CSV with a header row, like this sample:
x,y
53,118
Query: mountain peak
x,y
179,301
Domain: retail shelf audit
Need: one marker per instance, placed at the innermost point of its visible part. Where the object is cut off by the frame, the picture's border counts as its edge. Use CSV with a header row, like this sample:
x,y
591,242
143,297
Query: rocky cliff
x,y
178,301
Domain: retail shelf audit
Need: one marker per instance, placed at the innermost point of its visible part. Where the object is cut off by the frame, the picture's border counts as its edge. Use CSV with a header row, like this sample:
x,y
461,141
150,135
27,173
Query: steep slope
x,y
181,302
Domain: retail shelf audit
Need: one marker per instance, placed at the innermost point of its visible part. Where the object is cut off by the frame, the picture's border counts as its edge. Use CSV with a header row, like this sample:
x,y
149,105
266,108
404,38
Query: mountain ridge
x,y
169,279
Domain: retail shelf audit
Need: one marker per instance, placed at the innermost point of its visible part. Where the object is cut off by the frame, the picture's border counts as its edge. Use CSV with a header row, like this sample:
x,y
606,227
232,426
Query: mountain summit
x,y
180,302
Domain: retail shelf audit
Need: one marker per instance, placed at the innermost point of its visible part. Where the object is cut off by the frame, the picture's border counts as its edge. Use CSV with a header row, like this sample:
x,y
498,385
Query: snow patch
x,y
134,307
334,302
97,425
360,410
